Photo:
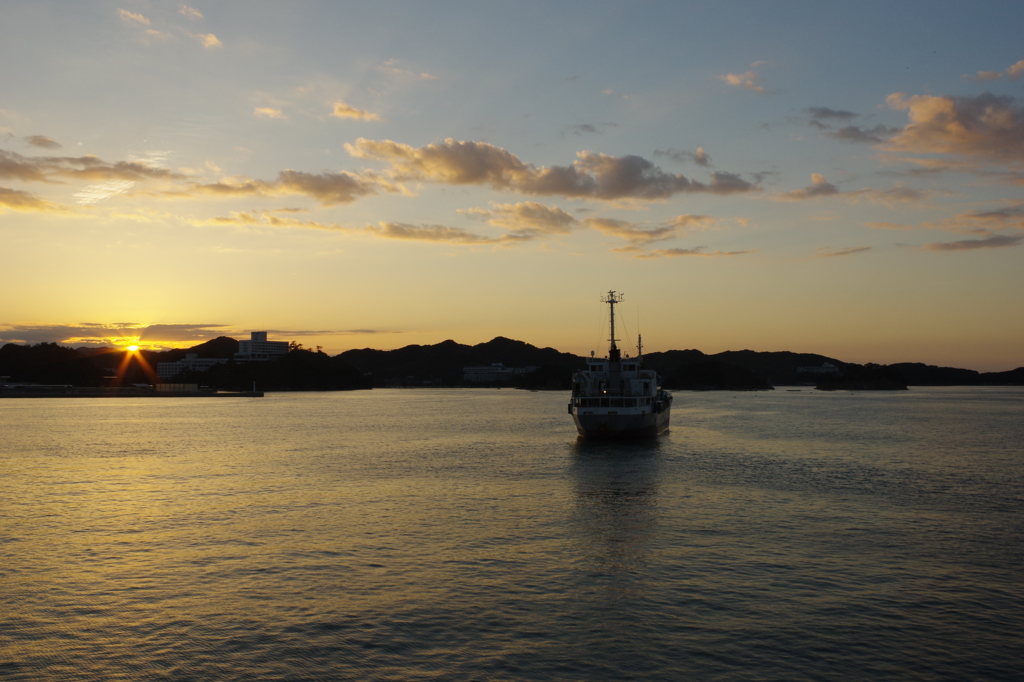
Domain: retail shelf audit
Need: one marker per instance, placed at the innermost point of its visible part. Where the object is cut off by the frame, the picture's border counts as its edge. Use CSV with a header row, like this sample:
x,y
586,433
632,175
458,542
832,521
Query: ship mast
x,y
613,352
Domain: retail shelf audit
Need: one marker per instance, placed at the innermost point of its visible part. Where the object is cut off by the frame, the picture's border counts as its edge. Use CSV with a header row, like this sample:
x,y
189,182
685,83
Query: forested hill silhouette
x,y
778,368
443,362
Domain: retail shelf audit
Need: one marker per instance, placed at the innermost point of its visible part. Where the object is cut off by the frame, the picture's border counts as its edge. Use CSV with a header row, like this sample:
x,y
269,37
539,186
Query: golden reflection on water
x,y
471,535
615,486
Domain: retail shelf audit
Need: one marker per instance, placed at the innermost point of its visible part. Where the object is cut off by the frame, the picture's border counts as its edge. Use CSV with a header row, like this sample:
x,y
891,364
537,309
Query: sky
x,y
836,178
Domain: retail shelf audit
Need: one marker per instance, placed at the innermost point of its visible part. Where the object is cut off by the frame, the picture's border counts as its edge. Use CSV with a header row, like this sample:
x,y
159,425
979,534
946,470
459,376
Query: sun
x,y
133,348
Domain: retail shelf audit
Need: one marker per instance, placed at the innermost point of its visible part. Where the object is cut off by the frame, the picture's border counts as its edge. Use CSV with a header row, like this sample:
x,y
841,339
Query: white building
x,y
191,363
258,349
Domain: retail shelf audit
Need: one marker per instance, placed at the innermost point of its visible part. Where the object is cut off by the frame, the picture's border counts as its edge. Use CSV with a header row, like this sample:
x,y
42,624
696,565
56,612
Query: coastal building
x,y
481,374
191,363
258,349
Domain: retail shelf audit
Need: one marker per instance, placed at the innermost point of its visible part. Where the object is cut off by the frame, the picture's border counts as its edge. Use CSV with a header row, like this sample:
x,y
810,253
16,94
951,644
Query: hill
x,y
442,363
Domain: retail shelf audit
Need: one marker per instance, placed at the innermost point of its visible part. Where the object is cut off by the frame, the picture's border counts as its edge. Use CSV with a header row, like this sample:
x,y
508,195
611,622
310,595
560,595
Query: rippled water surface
x,y
468,535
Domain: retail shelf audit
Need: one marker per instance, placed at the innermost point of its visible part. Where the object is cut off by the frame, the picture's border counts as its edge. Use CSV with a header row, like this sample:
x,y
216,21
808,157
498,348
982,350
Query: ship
x,y
615,397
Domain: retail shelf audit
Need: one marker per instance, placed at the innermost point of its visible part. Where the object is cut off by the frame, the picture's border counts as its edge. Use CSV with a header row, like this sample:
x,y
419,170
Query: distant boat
x,y
616,398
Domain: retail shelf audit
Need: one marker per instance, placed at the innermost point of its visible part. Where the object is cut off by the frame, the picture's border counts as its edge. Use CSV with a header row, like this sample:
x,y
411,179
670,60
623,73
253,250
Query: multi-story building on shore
x,y
258,349
191,363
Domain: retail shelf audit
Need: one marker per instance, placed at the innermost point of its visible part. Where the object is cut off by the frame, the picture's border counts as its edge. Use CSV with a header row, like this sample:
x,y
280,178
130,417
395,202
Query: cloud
x,y
50,168
111,334
821,113
819,187
890,197
17,200
889,226
698,251
95,193
599,176
527,217
342,110
828,252
1007,217
391,68
42,141
1016,71
208,40
438,234
637,235
856,134
589,128
982,76
132,17
525,221
699,157
190,12
269,112
154,336
328,188
987,126
748,80
993,242
383,230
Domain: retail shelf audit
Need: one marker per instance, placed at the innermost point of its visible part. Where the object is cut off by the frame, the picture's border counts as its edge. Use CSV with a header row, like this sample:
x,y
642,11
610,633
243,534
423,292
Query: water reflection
x,y
615,486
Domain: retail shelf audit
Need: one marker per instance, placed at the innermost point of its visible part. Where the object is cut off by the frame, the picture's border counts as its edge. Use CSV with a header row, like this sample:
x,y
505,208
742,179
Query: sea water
x,y
469,535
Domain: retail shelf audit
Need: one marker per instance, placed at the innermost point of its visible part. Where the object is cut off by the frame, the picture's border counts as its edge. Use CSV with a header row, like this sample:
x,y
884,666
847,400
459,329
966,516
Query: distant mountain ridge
x,y
441,364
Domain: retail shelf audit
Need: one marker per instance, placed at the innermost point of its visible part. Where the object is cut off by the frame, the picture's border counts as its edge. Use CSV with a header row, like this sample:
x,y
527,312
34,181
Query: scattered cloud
x,y
133,18
190,12
748,80
1016,71
50,168
983,76
584,128
113,334
391,68
269,112
637,235
889,226
342,110
819,187
598,176
974,222
993,242
987,126
824,113
95,193
208,40
42,141
828,252
328,188
527,218
857,134
438,233
697,251
699,157
26,202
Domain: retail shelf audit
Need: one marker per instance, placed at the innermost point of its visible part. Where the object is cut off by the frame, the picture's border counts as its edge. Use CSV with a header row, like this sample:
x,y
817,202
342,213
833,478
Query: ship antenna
x,y
614,354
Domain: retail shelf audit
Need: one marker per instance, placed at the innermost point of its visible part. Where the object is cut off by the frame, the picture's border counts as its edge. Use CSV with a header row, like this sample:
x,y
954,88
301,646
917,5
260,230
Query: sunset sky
x,y
838,178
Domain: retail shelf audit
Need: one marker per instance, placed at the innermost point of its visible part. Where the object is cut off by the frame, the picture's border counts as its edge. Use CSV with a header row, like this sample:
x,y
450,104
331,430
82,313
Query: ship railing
x,y
583,402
